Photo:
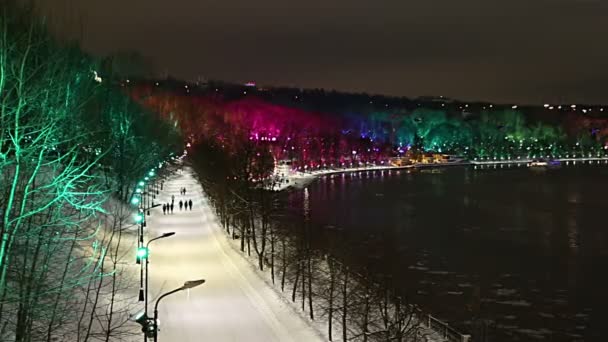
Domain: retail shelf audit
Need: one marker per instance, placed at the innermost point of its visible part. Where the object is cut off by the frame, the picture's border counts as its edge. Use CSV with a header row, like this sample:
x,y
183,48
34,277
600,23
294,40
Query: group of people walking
x,y
168,207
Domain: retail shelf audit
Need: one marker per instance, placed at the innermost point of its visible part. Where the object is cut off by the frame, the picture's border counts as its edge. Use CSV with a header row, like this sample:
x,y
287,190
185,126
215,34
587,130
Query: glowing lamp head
x,y
135,201
142,253
139,218
141,183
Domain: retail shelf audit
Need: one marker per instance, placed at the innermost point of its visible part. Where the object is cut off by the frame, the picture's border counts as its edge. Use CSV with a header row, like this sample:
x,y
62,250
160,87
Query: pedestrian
x,y
171,207
172,198
161,184
180,204
190,204
164,208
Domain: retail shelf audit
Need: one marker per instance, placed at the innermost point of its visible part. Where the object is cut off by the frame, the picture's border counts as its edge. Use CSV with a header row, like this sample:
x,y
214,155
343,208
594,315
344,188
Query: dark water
x,y
523,253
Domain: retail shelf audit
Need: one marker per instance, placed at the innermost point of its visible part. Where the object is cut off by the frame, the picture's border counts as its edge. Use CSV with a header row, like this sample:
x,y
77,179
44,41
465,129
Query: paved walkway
x,y
234,304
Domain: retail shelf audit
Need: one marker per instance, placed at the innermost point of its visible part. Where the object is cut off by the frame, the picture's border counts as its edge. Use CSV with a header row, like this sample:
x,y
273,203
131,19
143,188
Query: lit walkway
x,y
234,304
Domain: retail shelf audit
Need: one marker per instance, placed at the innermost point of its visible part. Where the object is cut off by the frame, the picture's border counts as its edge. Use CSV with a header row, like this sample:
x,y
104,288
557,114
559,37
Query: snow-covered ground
x,y
298,179
234,304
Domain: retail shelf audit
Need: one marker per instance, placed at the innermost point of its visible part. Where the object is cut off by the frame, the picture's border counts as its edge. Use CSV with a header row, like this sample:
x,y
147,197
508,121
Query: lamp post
x,y
187,285
141,251
147,262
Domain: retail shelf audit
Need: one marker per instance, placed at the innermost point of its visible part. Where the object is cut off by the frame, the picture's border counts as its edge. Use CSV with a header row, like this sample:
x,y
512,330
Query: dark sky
x,y
523,51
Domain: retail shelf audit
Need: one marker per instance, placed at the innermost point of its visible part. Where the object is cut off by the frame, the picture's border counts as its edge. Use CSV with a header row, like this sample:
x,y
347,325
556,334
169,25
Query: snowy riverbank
x,y
298,180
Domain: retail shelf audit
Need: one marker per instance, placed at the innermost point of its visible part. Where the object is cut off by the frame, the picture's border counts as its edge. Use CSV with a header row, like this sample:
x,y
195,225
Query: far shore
x,y
301,179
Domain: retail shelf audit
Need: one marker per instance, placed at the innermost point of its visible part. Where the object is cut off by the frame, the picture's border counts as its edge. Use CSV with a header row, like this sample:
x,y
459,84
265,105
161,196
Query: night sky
x,y
522,51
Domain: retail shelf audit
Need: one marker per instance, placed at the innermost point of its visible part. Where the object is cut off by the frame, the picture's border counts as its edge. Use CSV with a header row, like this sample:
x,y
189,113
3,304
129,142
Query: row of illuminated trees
x,y
349,302
71,150
316,140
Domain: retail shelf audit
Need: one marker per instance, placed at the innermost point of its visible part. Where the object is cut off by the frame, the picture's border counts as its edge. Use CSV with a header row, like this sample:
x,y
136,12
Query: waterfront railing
x,y
444,330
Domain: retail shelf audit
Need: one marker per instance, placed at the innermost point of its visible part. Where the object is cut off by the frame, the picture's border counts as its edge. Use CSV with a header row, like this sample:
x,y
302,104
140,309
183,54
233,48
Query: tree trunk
x,y
283,264
301,265
310,309
295,284
366,315
332,282
344,304
272,242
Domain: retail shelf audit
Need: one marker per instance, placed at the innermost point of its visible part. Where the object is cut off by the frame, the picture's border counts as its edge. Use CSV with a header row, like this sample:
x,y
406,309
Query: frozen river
x,y
507,254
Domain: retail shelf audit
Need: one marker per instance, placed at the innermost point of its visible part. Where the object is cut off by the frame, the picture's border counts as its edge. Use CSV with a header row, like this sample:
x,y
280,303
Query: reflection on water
x,y
524,253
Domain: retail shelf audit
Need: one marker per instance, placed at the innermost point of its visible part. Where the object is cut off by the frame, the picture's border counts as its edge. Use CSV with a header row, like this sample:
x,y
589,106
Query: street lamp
x,y
187,285
141,251
147,249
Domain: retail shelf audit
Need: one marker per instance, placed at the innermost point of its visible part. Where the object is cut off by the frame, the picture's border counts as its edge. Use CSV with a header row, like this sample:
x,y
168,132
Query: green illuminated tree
x,y
60,235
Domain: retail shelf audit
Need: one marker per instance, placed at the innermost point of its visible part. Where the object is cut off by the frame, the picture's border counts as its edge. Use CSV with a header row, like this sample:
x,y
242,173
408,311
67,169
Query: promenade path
x,y
235,304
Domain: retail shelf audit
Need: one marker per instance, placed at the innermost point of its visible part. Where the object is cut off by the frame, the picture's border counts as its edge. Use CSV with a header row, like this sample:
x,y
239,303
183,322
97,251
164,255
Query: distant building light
x,y
514,107
573,106
546,105
250,84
